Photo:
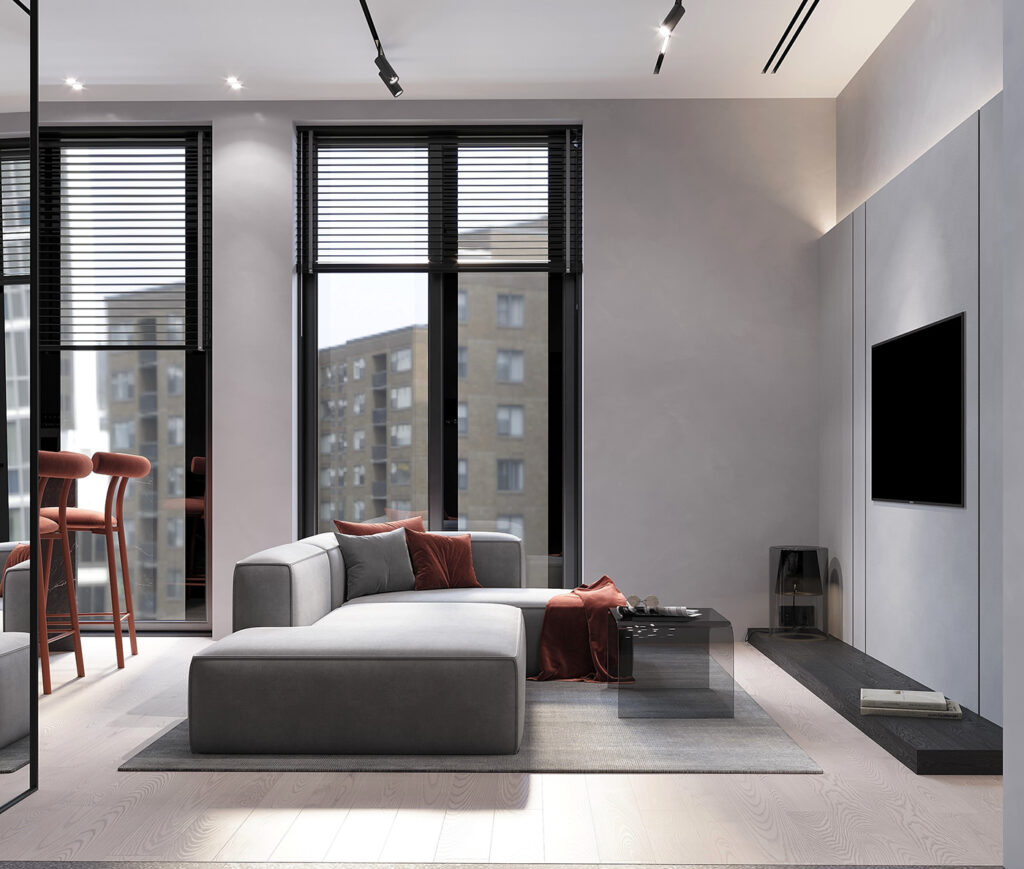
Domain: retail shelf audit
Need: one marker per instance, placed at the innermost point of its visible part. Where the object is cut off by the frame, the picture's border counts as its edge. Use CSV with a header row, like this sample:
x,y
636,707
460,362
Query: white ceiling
x,y
14,58
449,49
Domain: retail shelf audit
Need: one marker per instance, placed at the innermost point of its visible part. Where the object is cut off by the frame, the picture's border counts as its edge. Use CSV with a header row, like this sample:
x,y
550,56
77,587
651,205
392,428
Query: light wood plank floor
x,y
866,809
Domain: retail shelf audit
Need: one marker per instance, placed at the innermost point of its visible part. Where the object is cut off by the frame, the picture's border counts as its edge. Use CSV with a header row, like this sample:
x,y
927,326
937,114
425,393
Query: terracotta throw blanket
x,y
578,636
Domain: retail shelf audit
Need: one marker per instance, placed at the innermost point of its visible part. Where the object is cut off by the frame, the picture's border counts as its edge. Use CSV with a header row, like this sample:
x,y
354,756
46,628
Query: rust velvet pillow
x,y
441,562
360,529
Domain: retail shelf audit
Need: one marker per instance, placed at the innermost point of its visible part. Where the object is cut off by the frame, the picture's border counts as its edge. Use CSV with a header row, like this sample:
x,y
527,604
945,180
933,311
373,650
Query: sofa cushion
x,y
376,563
441,562
409,678
530,601
361,529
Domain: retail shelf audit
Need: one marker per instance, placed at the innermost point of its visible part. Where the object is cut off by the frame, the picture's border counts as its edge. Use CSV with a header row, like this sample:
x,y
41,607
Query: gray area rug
x,y
571,727
14,756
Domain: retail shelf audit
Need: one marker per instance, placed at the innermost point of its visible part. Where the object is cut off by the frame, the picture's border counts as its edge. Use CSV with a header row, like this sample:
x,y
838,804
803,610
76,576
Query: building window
x,y
401,397
401,360
358,511
123,436
176,532
463,522
358,367
401,474
358,403
463,419
511,310
510,475
176,482
326,511
401,435
402,506
327,444
122,385
463,306
510,366
463,363
463,475
326,478
176,431
359,439
343,373
510,420
359,475
175,380
510,524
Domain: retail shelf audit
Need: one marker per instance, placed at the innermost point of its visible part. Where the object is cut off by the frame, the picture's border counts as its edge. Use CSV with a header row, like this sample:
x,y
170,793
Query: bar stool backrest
x,y
66,466
120,467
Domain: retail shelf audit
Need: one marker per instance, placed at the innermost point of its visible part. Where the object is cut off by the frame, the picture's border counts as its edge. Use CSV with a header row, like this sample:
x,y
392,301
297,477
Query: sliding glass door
x,y
440,276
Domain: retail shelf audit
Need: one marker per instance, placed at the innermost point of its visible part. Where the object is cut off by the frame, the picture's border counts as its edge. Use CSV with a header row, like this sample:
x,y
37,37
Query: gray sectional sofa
x,y
405,672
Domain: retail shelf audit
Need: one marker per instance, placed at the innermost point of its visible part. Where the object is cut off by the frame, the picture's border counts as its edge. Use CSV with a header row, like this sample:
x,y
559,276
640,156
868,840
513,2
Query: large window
x,y
125,268
14,283
442,266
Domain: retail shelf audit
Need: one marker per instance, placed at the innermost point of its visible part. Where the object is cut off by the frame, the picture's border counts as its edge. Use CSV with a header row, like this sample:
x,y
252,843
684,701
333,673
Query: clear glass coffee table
x,y
680,667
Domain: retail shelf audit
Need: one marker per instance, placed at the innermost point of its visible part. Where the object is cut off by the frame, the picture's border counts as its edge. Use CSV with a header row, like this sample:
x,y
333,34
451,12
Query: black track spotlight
x,y
388,75
675,15
386,70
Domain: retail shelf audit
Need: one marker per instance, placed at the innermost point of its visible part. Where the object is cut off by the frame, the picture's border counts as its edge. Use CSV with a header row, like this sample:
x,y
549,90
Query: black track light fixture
x,y
675,15
384,68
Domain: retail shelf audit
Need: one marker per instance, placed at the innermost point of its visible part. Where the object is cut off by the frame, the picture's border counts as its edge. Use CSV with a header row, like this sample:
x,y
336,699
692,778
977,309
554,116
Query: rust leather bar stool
x,y
195,507
121,468
54,527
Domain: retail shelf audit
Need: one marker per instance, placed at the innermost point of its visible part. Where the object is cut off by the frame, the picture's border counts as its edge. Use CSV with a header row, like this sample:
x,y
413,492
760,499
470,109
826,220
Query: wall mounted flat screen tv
x,y
917,416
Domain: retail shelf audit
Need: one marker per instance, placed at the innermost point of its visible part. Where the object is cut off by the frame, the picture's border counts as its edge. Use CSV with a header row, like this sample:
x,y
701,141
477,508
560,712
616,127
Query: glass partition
x,y
17,656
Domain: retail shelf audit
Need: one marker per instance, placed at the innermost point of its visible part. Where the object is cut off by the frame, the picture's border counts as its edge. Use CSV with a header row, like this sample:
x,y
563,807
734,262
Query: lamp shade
x,y
799,572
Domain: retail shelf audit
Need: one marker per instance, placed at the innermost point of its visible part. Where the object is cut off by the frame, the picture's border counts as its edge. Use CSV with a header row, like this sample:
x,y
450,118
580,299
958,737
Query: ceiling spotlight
x,y
234,82
74,83
675,15
385,70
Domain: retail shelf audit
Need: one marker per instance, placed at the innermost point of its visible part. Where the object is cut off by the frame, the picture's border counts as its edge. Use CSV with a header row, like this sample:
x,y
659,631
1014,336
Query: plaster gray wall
x,y
700,328
1013,435
13,124
835,389
940,62
921,590
860,553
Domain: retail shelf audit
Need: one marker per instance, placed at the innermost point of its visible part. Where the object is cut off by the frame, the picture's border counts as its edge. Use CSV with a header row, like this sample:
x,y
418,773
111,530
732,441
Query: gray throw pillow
x,y
376,563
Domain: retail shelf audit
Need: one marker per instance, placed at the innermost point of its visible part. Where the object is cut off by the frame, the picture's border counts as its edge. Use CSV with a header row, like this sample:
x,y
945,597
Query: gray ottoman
x,y
396,678
14,686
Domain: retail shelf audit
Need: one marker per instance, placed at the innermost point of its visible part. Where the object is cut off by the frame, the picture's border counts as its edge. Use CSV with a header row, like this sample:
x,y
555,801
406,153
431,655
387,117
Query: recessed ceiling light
x,y
234,82
73,83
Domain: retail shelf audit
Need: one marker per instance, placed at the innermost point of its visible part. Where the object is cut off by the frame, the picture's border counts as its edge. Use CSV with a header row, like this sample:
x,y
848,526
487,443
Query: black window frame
x,y
564,272
197,336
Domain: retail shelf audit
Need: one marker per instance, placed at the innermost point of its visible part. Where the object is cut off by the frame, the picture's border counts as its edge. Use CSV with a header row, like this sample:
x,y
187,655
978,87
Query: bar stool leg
x,y
76,631
115,604
43,580
126,580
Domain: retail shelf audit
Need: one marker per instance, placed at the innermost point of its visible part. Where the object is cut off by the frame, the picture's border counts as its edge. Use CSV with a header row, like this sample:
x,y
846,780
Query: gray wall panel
x,y
990,398
859,420
1013,434
921,607
835,477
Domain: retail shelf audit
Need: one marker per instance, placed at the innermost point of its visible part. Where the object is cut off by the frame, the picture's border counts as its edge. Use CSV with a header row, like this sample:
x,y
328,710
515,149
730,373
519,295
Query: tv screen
x,y
917,416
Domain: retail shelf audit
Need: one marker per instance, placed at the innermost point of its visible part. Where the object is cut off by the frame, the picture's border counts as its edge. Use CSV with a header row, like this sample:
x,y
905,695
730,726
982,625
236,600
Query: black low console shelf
x,y
836,672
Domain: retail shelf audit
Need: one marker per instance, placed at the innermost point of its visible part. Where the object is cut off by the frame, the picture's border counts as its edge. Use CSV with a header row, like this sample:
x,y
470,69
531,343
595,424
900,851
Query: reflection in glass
x,y
129,401
372,397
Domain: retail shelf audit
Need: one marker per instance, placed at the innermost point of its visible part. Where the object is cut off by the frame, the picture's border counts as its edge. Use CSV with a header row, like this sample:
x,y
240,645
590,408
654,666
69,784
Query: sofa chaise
x,y
407,672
